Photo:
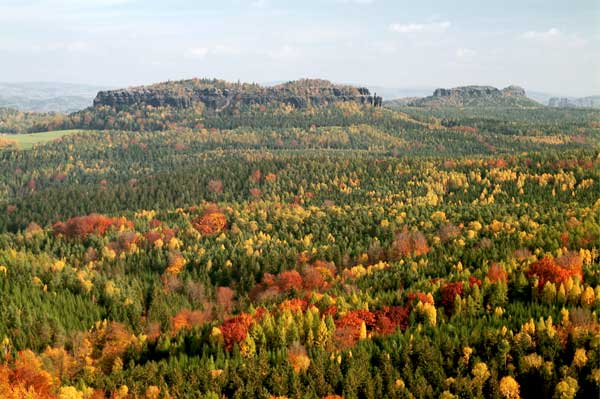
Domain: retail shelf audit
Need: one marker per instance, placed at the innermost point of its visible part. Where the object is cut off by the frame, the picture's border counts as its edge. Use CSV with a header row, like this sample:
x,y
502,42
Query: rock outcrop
x,y
219,95
472,96
467,91
514,91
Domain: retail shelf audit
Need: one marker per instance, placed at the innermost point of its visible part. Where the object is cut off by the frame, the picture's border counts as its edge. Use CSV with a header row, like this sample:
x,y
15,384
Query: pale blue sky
x,y
544,45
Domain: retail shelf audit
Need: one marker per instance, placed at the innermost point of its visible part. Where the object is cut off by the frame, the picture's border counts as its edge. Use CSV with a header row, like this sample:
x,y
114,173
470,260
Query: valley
x,y
210,239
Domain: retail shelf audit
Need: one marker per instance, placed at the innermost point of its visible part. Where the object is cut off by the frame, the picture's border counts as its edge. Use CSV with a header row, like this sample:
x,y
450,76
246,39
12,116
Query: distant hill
x,y
472,96
219,95
570,102
540,97
402,101
404,95
47,96
394,93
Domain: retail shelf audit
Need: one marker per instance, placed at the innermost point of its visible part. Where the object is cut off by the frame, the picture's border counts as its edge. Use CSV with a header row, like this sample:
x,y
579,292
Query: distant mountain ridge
x,y
390,93
64,104
218,95
474,96
47,96
569,102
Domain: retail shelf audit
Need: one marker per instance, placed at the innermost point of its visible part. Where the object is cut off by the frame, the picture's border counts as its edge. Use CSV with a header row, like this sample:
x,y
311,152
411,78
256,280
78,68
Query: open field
x,y
27,141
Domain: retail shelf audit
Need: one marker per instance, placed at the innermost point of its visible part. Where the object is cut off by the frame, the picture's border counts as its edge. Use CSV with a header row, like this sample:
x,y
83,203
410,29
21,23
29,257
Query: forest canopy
x,y
340,251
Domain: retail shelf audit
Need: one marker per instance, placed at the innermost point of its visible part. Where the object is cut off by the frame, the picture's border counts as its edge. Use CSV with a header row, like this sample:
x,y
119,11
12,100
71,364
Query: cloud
x,y
386,47
555,37
196,52
78,46
217,49
550,34
464,52
88,3
431,27
319,35
284,52
360,2
260,3
56,12
221,49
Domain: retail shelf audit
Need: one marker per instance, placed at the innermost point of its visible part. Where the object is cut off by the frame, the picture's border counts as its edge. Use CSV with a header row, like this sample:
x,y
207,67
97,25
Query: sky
x,y
542,45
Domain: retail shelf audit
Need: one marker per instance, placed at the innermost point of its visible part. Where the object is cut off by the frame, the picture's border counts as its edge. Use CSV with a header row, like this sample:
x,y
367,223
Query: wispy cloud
x,y
217,49
61,48
222,49
386,47
284,52
431,27
196,52
135,41
550,34
87,3
260,3
59,11
360,2
555,37
464,52
77,46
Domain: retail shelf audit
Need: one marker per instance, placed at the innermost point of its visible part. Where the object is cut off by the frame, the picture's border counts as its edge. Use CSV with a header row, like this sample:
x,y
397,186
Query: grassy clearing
x,y
27,141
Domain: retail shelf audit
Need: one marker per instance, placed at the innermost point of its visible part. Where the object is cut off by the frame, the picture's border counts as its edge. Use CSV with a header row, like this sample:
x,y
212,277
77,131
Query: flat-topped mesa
x,y
219,95
476,96
156,98
470,91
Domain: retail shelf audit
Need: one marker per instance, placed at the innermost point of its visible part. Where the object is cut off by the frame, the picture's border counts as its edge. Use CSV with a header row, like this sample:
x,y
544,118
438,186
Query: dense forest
x,y
343,251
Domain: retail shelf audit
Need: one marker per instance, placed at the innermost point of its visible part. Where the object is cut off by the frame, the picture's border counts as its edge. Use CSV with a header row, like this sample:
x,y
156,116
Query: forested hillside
x,y
338,250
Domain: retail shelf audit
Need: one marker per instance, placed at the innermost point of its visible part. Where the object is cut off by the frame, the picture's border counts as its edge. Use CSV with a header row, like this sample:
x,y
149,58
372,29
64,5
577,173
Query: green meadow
x,y
27,141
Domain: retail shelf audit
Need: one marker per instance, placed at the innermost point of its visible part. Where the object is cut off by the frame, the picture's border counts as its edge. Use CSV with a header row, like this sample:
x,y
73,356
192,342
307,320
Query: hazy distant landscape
x,y
67,97
47,97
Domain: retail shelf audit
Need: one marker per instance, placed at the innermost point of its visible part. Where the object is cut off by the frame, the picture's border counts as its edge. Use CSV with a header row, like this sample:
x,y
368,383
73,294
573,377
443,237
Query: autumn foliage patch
x,y
315,277
186,319
449,293
548,270
212,222
94,224
385,321
408,243
497,274
236,329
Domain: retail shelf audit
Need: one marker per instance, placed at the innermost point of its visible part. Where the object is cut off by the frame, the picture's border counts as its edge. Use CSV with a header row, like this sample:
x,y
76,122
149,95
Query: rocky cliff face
x,y
468,91
470,96
220,95
514,91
